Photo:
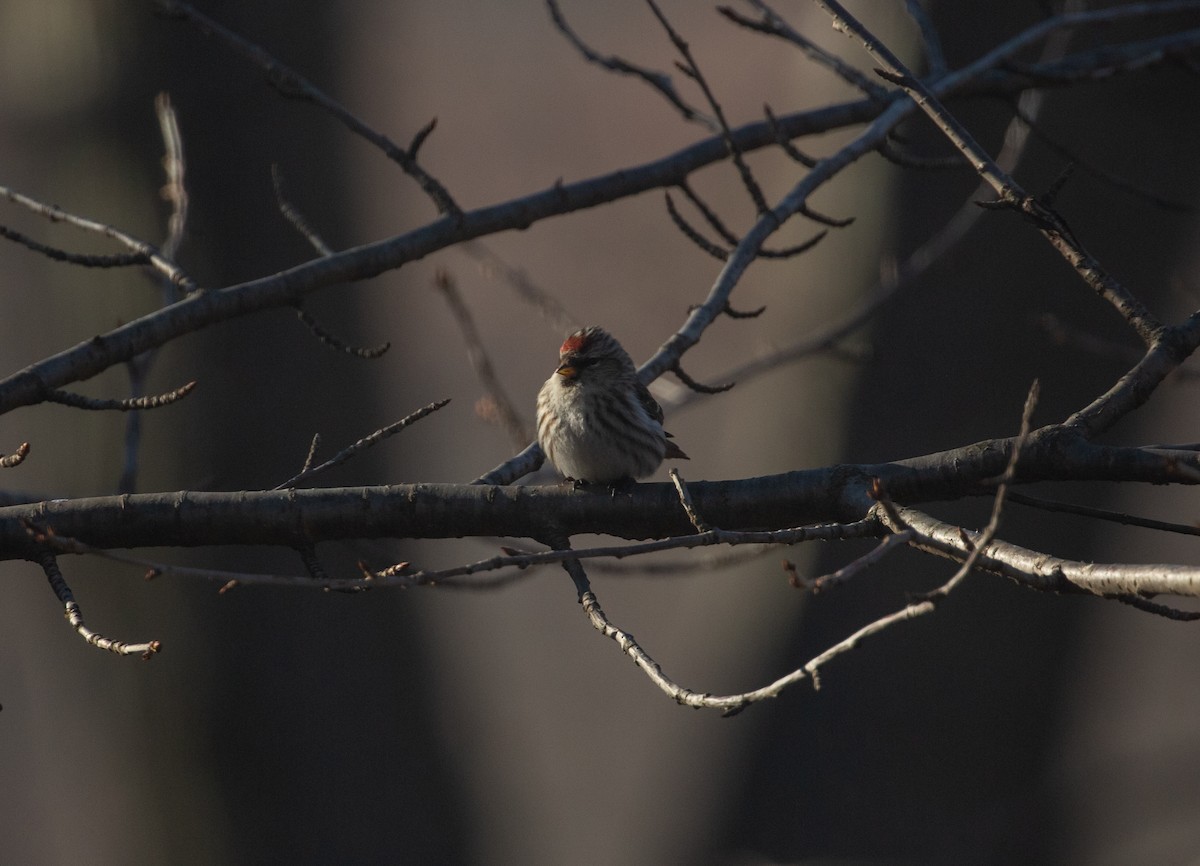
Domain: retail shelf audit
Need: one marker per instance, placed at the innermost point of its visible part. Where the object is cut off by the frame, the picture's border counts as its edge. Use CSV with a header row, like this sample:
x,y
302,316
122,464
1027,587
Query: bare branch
x,y
1162,610
993,525
1112,179
149,252
293,215
924,605
93,356
744,314
500,406
292,84
692,70
1009,193
548,306
1168,350
174,190
889,151
327,338
689,232
728,704
421,135
362,445
893,280
699,388
658,80
1129,57
154,401
59,584
785,144
118,260
873,557
312,453
1047,573
1101,514
685,499
935,57
312,564
773,24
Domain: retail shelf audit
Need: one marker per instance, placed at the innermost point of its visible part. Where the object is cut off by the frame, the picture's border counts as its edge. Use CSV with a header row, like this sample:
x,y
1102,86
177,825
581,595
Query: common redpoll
x,y
596,420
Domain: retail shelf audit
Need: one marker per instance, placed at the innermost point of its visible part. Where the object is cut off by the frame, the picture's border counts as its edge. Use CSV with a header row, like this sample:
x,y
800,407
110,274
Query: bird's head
x,y
592,352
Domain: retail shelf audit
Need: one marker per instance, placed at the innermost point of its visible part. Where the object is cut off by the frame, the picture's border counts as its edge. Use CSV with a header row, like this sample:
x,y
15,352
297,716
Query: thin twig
x,y
729,704
773,24
71,609
691,233
174,190
362,444
312,453
312,563
716,251
327,338
1102,514
658,80
889,151
293,215
685,499
892,282
744,314
153,256
402,575
785,143
117,260
872,557
1176,46
500,407
1111,178
699,387
1163,610
131,404
549,307
931,40
993,525
692,70
927,603
1009,193
291,83
795,535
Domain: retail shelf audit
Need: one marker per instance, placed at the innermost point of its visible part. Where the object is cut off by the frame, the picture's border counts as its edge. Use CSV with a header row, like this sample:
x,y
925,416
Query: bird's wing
x,y
649,403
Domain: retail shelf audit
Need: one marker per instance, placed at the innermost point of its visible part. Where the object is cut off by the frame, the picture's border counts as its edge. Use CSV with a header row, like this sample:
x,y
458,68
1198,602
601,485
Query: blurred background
x,y
442,726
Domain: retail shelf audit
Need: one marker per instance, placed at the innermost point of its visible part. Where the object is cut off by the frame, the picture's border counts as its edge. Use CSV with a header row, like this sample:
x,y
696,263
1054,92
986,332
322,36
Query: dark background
x,y
455,727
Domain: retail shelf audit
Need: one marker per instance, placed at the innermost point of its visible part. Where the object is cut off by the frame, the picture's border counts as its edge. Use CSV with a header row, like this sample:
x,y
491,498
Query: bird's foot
x,y
622,485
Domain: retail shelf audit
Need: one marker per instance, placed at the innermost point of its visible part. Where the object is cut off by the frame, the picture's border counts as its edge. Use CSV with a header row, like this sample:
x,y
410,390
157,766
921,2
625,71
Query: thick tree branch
x,y
838,494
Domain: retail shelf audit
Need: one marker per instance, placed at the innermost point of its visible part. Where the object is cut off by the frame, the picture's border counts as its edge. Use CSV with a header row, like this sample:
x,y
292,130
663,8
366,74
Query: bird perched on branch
x,y
597,423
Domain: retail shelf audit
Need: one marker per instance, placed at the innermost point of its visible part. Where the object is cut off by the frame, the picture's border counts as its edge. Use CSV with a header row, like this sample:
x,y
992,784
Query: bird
x,y
596,421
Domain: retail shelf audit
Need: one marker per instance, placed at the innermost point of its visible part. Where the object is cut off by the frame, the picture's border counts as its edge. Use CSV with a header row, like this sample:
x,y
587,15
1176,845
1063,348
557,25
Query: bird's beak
x,y
567,371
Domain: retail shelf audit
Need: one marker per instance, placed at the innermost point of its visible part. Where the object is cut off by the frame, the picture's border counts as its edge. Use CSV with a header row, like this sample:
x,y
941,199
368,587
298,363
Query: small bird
x,y
597,423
